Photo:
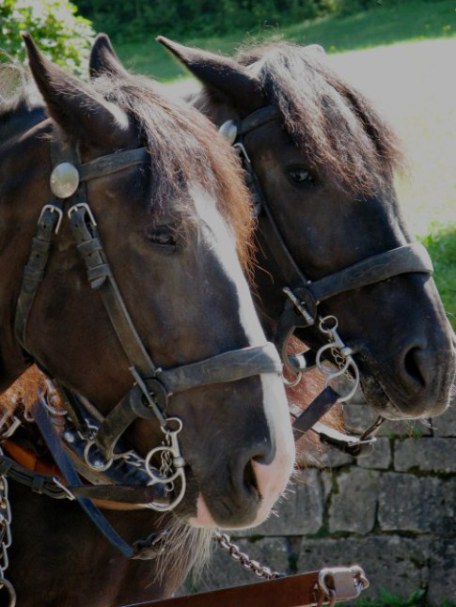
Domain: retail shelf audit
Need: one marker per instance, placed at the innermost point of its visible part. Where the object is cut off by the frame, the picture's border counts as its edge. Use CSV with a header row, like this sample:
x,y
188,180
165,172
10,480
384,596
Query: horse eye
x,y
162,236
300,176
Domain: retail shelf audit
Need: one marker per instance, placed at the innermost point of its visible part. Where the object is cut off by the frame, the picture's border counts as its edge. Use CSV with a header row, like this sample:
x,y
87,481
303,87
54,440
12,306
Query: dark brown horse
x,y
146,327
321,161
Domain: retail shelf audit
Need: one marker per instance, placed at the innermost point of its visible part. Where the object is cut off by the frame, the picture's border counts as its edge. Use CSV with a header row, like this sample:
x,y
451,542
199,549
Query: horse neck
x,y
24,170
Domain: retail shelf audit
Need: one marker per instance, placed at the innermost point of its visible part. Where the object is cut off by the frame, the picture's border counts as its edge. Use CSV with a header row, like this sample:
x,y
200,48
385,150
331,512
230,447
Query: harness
x,y
81,441
303,296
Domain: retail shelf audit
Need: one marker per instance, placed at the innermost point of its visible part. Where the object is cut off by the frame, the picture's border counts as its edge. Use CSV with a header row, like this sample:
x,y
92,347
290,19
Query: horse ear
x,y
104,59
220,74
77,108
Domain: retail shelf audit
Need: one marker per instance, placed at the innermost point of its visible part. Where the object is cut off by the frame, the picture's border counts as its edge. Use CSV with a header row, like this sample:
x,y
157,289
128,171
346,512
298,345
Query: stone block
x,y
327,478
300,511
445,425
335,458
358,418
353,507
442,578
378,456
407,428
398,565
416,504
429,454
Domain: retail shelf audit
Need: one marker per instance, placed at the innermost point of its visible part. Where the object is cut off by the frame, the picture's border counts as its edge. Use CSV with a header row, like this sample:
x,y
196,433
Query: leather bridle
x,y
91,442
303,296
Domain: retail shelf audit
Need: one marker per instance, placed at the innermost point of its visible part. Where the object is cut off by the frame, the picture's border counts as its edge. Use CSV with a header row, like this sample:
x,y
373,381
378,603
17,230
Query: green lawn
x,y
415,20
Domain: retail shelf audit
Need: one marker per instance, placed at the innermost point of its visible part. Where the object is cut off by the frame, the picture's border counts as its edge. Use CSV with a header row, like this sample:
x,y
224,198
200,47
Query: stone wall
x,y
392,511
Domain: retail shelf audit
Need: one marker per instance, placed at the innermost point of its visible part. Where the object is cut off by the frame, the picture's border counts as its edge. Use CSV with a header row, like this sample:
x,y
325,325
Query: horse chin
x,y
385,404
205,520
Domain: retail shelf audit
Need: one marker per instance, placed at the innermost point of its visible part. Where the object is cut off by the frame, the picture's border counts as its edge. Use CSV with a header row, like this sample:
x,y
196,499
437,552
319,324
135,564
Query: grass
x,y
389,600
414,20
415,599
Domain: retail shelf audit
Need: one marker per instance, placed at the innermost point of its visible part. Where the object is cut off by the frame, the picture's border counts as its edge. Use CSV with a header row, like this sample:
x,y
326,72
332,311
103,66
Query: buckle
x,y
337,584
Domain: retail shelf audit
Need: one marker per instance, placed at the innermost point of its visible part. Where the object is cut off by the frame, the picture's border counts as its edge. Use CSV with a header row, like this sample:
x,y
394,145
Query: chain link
x,y
5,538
261,571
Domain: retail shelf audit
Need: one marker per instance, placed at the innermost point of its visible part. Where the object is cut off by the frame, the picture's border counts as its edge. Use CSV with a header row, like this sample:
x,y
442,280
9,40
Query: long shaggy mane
x,y
185,149
329,119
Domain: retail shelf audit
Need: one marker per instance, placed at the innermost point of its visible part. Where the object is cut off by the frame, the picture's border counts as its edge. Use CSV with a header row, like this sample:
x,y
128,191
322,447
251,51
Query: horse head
x,y
141,307
321,162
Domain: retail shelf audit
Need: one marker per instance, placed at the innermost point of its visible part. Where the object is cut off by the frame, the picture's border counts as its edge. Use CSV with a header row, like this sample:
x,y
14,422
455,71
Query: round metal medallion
x,y
64,180
228,130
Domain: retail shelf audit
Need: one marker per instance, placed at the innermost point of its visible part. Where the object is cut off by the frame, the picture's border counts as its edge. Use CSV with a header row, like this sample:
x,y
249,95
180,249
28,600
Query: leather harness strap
x,y
315,588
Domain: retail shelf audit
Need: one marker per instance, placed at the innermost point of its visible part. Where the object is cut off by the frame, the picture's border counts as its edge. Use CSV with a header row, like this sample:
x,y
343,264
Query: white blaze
x,y
272,478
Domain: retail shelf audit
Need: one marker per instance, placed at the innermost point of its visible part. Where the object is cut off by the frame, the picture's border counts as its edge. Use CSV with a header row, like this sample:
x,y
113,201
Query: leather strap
x,y
258,118
315,411
69,473
408,258
303,590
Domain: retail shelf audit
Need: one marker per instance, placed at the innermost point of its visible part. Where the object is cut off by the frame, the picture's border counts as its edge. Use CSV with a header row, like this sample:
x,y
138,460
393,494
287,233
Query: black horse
x,y
130,218
331,239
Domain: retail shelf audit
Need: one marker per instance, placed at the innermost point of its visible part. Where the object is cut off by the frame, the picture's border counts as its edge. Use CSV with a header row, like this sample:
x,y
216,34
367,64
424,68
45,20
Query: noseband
x,y
93,442
304,295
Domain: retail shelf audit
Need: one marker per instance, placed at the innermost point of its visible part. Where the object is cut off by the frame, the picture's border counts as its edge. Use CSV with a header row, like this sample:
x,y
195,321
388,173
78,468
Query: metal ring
x,y
4,583
166,430
326,319
292,383
360,576
98,466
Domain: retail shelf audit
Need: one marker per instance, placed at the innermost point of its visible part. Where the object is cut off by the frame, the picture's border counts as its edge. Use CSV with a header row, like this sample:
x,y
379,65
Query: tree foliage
x,y
202,17
63,36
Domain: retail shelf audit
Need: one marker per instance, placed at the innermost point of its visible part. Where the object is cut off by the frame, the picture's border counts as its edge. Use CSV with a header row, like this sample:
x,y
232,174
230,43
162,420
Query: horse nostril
x,y
414,367
249,478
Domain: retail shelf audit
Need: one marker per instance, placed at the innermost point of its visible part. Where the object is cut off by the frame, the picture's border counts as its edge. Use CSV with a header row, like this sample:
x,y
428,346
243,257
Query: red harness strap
x,y
314,589
30,460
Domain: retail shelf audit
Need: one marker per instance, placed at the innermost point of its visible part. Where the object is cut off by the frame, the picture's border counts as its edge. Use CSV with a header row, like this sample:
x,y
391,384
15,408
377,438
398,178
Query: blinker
x,y
229,130
64,180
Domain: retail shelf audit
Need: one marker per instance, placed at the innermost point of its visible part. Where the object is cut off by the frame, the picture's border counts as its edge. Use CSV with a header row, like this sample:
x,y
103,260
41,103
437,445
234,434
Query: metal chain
x,y
5,538
244,560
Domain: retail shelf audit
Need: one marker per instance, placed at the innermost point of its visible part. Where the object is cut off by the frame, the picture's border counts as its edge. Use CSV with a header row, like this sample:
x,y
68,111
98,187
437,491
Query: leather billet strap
x,y
406,259
256,119
315,411
330,585
226,367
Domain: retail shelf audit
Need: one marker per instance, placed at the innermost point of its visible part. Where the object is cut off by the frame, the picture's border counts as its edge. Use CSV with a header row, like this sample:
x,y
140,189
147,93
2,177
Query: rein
x,y
304,295
328,586
85,443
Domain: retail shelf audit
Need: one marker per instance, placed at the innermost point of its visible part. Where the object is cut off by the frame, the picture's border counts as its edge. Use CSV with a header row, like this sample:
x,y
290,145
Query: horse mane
x,y
185,148
329,119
